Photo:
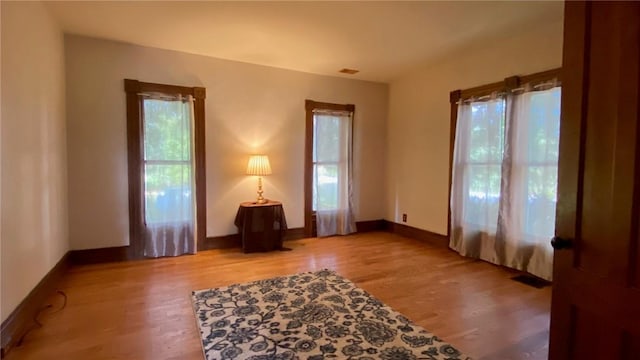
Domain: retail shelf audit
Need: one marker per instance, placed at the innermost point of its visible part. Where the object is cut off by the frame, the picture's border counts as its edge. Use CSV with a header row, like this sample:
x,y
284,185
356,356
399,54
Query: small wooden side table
x,y
261,226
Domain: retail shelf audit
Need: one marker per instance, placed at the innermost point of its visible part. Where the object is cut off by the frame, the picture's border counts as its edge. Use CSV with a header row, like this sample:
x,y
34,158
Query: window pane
x,y
325,187
168,193
483,196
544,126
487,131
540,212
326,138
167,133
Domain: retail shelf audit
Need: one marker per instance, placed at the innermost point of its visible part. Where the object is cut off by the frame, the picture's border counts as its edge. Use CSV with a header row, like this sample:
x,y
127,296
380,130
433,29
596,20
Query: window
x,y
538,161
483,161
165,140
505,171
328,177
536,133
329,157
168,170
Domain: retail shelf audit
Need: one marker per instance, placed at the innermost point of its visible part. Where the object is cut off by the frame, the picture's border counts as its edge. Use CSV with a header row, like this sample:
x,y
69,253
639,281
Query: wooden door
x,y
596,287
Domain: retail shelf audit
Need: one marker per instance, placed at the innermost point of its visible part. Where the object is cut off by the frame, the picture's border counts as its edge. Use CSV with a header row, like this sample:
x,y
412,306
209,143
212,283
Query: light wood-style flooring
x,y
142,309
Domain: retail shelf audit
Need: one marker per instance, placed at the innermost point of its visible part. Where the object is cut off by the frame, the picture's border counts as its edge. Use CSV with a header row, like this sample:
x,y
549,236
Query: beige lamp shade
x,y
259,165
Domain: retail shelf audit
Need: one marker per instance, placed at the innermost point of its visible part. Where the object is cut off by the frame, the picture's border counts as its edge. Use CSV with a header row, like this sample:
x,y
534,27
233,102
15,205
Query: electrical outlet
x,y
404,218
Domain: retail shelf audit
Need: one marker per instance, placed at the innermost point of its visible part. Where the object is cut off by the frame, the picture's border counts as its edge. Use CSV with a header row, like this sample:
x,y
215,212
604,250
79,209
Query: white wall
x,y
419,115
34,168
249,109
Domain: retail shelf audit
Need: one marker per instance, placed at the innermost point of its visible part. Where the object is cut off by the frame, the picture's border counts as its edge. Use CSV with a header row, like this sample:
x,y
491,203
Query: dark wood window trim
x,y
483,90
310,106
133,89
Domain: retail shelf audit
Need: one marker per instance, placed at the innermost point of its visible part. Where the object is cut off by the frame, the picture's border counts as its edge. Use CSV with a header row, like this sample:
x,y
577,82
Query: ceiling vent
x,y
349,71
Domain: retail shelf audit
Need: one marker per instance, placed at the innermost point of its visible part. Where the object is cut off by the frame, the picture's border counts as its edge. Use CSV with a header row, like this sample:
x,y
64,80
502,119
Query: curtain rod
x,y
497,94
332,112
553,83
161,96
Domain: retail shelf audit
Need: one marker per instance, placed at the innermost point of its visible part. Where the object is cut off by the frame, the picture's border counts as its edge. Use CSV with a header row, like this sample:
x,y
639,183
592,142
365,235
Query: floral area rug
x,y
315,315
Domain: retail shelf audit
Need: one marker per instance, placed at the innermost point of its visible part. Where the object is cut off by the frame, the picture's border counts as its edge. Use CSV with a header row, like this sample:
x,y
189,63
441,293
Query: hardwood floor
x,y
142,309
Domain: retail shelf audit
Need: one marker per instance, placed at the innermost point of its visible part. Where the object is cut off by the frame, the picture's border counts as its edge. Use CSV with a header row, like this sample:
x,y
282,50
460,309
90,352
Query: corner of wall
x,y
34,221
419,116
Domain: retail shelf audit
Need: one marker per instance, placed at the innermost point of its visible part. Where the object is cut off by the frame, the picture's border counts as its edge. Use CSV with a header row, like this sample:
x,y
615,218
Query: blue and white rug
x,y
315,315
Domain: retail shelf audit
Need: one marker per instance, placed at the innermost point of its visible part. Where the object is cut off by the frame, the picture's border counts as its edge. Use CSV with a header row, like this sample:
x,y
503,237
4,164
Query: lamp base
x,y
261,200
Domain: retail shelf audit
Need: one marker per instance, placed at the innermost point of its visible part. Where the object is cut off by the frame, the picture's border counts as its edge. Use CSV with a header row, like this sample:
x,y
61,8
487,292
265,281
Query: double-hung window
x,y
168,172
505,172
536,159
481,160
165,140
328,174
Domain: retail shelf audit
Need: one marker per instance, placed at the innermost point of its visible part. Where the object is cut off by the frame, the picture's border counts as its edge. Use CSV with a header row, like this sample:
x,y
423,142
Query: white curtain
x,y
504,186
168,176
332,174
530,177
475,191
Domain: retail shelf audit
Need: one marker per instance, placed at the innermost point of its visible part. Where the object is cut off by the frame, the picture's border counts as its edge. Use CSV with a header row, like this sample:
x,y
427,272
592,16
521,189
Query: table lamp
x,y
259,166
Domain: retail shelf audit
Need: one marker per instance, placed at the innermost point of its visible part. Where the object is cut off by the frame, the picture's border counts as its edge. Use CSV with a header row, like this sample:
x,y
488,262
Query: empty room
x,y
258,180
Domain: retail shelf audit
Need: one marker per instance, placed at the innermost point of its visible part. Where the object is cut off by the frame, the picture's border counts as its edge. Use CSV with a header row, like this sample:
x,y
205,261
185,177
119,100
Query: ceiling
x,y
381,39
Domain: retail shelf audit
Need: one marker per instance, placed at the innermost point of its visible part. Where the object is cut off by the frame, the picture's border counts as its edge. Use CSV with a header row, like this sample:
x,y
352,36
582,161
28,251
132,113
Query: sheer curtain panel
x,y
529,181
332,158
168,176
475,191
